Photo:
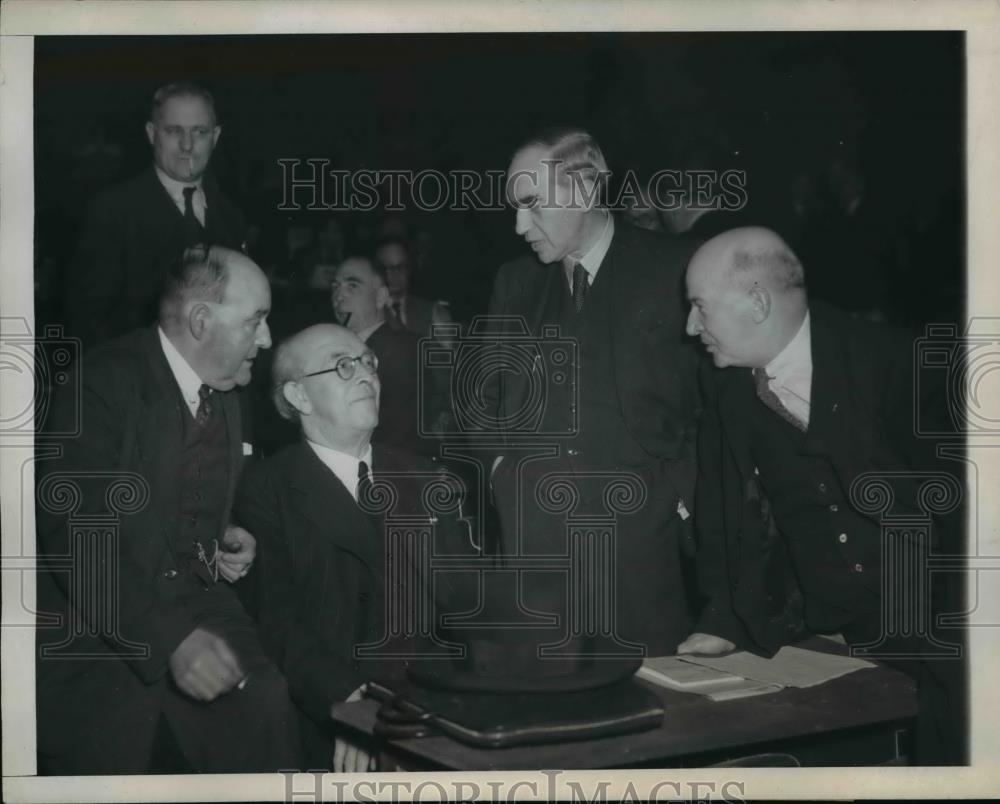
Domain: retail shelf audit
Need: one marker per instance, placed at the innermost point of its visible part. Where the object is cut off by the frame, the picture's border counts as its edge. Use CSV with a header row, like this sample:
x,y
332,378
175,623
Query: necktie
x,y
769,398
204,406
397,309
193,231
364,484
580,285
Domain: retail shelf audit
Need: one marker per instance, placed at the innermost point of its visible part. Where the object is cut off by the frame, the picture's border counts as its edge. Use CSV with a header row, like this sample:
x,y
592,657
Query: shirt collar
x,y
174,188
591,261
186,377
343,464
795,358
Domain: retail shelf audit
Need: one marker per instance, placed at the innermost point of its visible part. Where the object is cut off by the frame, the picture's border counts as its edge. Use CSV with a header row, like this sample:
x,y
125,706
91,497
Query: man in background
x,y
136,230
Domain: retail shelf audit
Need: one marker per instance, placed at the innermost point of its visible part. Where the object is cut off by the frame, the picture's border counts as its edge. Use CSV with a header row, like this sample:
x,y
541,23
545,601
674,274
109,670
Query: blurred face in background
x,y
395,261
359,295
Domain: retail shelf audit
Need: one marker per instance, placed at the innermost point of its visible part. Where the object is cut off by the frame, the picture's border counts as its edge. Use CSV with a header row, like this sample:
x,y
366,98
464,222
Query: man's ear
x,y
382,297
760,302
215,135
150,131
199,320
296,397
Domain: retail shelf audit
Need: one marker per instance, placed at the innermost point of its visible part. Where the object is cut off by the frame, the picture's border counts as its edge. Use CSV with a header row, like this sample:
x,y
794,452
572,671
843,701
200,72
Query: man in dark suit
x,y
136,230
789,540
619,402
168,675
322,569
361,301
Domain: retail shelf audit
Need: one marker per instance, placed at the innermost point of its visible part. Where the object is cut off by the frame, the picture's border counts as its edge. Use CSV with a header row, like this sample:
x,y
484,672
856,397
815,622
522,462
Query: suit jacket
x,y
654,362
861,405
132,234
130,415
399,361
321,568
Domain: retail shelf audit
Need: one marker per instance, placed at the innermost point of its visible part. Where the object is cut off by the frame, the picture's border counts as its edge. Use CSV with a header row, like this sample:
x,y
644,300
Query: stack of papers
x,y
742,674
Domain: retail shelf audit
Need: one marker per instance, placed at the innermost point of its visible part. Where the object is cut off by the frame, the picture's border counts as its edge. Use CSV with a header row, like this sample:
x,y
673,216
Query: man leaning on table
x,y
802,401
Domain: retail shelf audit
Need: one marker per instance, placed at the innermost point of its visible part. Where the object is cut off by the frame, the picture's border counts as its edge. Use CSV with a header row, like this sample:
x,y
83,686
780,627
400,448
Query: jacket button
x,y
170,573
363,597
834,508
822,487
859,568
842,538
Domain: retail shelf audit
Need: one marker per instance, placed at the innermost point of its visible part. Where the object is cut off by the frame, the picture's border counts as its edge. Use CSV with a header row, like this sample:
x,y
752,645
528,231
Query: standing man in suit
x,y
322,556
172,677
625,405
136,230
809,400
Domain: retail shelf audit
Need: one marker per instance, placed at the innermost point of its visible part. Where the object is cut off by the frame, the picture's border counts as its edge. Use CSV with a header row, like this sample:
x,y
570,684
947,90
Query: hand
x,y
705,643
349,757
239,548
204,667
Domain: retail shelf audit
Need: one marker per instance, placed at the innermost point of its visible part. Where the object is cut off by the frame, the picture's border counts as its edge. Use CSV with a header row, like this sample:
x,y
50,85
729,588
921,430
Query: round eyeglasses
x,y
346,366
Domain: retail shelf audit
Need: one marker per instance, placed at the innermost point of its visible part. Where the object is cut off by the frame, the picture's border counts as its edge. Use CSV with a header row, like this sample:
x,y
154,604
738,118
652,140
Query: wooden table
x,y
858,719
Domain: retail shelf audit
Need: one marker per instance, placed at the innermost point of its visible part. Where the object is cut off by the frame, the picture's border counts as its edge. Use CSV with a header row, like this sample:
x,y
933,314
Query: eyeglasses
x,y
346,366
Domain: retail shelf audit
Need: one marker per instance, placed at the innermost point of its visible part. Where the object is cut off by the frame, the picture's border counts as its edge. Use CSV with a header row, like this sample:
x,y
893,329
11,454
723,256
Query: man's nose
x,y
263,339
522,221
187,141
693,323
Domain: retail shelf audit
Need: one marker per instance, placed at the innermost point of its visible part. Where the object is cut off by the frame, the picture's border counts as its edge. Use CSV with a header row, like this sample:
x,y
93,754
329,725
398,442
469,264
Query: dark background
x,y
778,105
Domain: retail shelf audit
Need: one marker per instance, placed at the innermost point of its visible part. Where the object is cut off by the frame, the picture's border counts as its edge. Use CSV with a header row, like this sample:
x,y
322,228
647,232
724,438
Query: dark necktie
x,y
204,406
364,484
193,231
397,309
579,286
769,398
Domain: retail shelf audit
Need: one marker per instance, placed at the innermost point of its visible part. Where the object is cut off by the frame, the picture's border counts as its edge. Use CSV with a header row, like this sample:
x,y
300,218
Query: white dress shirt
x,y
790,373
187,380
175,189
343,465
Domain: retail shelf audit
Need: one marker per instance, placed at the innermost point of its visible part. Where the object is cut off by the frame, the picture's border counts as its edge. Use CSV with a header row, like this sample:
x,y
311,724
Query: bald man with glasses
x,y
321,553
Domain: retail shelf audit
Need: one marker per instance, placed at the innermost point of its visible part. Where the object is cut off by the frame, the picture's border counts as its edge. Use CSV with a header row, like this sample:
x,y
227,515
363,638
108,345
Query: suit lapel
x,y
829,382
323,500
157,443
736,397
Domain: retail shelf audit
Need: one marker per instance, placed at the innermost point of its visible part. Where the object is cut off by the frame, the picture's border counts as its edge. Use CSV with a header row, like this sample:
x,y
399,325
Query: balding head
x,y
747,294
214,310
333,411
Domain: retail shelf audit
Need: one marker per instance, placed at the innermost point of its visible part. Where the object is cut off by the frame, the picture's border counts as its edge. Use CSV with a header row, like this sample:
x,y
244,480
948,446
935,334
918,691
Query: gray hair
x,y
199,274
577,154
778,265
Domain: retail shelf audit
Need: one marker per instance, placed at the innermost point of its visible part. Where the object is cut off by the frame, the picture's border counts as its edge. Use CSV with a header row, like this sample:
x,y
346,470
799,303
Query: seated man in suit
x,y
135,230
360,302
811,401
322,553
172,677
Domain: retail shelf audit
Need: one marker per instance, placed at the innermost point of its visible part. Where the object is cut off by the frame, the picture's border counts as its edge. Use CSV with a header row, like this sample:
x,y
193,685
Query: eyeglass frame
x,y
354,366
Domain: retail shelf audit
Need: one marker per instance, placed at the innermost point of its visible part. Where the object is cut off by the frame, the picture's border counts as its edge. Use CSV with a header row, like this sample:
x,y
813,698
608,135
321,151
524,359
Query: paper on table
x,y
790,667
